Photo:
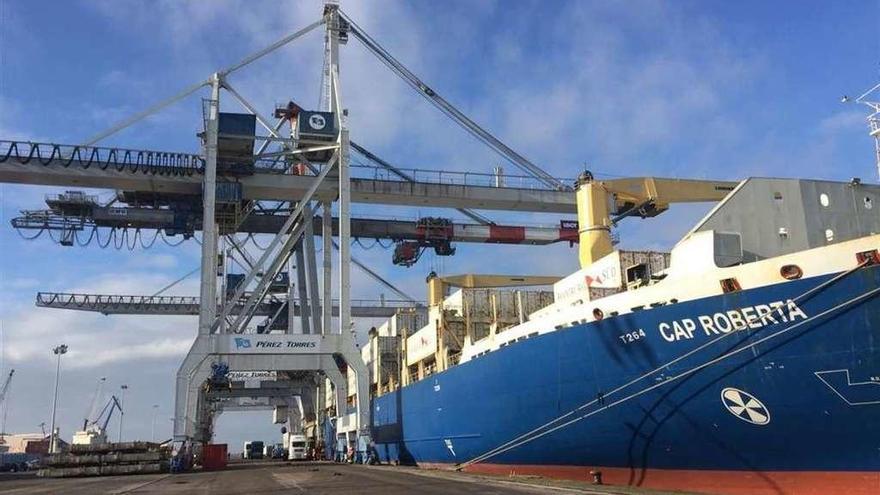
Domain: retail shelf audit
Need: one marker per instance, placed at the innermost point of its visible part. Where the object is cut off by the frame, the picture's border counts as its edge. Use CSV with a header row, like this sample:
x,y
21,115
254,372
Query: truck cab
x,y
253,450
296,450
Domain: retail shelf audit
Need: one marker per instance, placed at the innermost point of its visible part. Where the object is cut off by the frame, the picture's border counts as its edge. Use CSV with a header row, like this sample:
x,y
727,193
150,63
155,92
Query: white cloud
x,y
844,121
147,260
21,283
147,351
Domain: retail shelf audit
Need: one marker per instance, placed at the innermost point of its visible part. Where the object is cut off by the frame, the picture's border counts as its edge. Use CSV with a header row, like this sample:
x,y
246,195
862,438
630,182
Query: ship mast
x,y
873,120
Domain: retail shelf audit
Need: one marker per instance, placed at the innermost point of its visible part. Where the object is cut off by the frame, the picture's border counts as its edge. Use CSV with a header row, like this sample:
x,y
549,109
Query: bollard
x,y
597,477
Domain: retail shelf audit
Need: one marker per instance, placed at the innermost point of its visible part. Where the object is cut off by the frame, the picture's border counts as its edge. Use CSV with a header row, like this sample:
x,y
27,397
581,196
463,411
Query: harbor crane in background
x,y
94,430
3,392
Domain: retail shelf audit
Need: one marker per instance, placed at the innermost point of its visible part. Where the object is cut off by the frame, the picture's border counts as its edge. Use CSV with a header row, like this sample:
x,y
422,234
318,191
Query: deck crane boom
x,y
644,197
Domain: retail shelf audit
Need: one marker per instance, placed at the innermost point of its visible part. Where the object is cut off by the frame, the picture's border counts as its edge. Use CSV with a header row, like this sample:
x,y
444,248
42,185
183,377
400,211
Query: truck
x,y
253,450
278,451
296,448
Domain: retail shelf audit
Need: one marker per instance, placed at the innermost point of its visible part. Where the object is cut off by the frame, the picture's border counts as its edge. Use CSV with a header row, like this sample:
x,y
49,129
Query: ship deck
x,y
310,477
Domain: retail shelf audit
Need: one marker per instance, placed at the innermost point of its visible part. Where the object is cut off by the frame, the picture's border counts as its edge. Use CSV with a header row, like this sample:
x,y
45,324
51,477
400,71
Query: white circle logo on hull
x,y
745,406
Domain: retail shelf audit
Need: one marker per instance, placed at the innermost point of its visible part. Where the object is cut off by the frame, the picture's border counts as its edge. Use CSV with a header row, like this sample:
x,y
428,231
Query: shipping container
x,y
214,456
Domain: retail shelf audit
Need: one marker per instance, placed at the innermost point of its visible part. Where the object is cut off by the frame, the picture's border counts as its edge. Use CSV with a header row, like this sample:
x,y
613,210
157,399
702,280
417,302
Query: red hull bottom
x,y
705,481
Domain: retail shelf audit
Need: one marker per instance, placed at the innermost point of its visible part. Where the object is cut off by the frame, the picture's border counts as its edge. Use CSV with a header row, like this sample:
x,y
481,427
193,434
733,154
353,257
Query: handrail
x,y
64,299
167,163
474,179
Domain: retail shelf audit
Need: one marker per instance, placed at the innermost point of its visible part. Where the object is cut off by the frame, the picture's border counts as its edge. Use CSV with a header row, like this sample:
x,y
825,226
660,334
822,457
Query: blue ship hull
x,y
808,388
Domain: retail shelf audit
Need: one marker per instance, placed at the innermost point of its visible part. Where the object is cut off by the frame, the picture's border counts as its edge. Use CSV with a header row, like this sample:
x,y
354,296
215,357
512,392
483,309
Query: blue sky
x,y
685,89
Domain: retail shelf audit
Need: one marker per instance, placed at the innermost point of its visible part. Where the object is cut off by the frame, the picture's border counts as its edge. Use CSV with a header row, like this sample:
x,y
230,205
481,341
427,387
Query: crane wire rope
x,y
451,111
172,284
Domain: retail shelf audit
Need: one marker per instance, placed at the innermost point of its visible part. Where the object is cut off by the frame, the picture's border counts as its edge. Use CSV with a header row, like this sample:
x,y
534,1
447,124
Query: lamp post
x,y
153,427
58,351
121,411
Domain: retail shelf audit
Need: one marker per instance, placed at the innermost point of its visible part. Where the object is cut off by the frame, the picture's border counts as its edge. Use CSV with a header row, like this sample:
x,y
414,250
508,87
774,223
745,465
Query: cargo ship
x,y
746,360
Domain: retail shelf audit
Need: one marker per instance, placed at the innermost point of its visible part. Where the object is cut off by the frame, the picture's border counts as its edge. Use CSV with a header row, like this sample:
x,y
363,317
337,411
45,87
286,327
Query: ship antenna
x,y
873,118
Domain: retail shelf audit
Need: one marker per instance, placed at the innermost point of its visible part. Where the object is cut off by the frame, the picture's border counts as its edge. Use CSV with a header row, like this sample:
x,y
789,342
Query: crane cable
x,y
450,111
172,284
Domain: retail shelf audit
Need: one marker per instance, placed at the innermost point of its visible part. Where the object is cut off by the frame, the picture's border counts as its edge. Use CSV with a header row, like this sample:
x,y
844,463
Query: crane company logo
x,y
317,122
745,406
257,344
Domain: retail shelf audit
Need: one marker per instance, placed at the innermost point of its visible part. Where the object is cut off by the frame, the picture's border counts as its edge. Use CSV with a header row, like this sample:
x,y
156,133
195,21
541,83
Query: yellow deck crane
x,y
598,200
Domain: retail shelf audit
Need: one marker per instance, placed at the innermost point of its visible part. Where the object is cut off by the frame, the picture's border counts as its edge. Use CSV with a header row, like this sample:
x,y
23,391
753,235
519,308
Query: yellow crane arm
x,y
666,191
639,196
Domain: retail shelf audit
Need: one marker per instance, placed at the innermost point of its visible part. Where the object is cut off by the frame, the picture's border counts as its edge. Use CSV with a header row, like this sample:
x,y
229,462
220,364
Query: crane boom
x,y
6,386
112,404
635,196
2,399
